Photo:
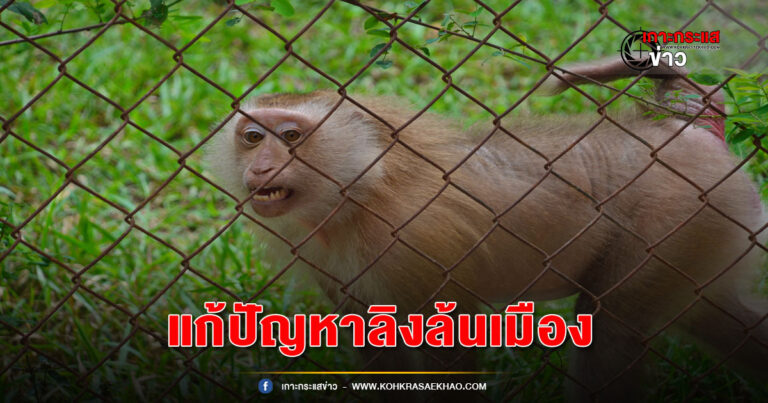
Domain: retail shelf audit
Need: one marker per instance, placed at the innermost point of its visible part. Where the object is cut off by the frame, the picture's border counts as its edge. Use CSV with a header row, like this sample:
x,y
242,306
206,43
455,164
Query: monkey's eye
x,y
291,135
252,137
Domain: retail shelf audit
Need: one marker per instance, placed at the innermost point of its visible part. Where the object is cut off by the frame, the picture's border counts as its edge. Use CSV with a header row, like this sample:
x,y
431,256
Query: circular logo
x,y
637,60
265,386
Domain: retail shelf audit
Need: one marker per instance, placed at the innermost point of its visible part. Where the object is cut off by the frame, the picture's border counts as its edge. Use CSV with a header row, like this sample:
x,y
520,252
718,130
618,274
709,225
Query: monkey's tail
x,y
674,91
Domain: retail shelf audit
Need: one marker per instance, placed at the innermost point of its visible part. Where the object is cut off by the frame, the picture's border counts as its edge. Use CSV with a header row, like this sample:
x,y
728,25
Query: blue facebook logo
x,y
265,386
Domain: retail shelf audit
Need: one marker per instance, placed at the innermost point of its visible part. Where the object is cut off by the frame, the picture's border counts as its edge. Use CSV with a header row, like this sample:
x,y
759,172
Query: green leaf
x,y
185,17
26,10
425,50
760,113
4,190
410,5
742,135
517,59
749,87
371,22
384,64
469,24
46,3
432,40
379,32
232,21
446,19
738,71
283,7
377,48
706,77
156,15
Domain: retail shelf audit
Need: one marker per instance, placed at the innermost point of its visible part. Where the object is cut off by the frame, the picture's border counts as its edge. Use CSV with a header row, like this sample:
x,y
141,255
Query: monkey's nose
x,y
256,176
262,170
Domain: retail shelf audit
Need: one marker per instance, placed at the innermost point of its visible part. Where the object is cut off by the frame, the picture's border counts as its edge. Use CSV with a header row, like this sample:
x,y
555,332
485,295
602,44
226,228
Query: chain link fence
x,y
78,328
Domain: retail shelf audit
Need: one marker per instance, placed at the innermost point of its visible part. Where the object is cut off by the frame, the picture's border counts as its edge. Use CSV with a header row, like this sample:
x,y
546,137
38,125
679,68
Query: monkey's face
x,y
268,169
284,161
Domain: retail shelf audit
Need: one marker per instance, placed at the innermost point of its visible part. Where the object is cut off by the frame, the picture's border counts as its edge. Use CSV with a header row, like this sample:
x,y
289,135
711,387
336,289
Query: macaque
x,y
651,223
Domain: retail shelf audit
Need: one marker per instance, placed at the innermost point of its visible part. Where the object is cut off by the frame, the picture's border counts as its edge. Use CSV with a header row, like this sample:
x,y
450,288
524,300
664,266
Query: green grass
x,y
124,64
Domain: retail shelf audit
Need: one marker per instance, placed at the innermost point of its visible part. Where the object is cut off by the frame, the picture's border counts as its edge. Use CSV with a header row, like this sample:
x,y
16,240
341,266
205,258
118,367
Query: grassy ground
x,y
125,63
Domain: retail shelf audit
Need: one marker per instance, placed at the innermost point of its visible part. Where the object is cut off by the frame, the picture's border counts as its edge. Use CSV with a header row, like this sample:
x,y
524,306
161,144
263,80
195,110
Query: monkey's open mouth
x,y
270,195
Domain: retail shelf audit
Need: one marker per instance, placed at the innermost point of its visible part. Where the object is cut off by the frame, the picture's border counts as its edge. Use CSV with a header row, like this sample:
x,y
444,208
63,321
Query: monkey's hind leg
x,y
643,301
637,297
731,318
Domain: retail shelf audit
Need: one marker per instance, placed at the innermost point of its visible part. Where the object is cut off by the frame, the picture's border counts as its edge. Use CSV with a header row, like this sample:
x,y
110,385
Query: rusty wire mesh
x,y
187,360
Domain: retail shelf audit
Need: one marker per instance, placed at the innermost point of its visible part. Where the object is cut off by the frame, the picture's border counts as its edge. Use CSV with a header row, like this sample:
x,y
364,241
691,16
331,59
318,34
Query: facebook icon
x,y
265,386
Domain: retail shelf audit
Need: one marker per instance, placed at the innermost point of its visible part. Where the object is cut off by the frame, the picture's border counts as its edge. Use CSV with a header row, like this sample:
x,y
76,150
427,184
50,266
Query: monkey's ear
x,y
377,129
358,116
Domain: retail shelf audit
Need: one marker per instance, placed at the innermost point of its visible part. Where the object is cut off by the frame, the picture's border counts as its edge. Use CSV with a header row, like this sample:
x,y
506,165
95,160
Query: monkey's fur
x,y
645,234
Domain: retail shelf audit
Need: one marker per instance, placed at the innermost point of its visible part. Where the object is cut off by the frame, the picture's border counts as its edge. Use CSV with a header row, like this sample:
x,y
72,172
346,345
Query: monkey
x,y
651,223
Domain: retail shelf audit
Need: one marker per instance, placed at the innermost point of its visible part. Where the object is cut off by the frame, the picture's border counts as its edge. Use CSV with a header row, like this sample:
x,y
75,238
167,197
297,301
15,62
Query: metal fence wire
x,y
38,365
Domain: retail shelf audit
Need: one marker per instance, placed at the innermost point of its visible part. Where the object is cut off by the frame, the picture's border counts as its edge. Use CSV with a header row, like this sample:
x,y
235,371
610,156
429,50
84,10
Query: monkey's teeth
x,y
277,194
